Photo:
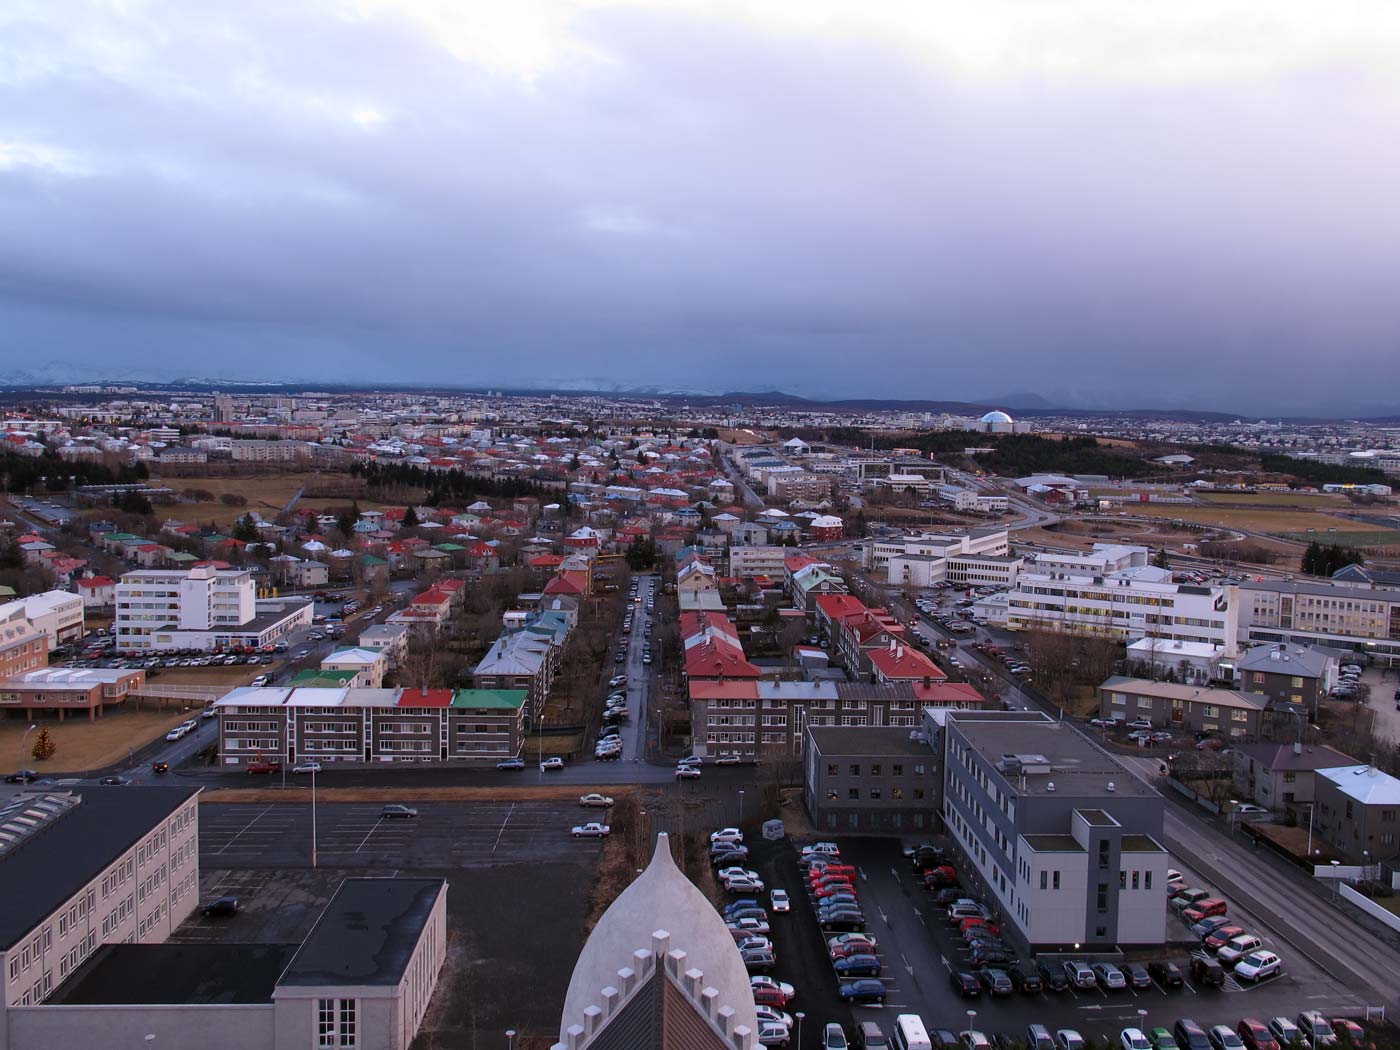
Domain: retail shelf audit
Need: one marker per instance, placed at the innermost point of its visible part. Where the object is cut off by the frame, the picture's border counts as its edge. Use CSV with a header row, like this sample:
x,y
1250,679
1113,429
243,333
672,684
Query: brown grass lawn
x,y
84,745
266,493
743,437
1264,519
222,677
1313,500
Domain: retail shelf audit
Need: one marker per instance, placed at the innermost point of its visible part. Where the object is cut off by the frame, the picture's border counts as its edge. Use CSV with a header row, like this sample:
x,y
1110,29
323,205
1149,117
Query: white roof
x,y
316,696
254,696
661,899
1366,784
353,656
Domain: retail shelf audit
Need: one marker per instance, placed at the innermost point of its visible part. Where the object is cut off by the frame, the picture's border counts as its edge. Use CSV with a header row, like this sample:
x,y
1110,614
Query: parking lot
x,y
919,948
357,835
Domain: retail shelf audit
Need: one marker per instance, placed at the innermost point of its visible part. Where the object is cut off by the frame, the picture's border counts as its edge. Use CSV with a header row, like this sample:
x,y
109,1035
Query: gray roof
x,y
868,741
42,873
1303,661
1283,757
1367,784
1323,590
1363,574
176,974
367,933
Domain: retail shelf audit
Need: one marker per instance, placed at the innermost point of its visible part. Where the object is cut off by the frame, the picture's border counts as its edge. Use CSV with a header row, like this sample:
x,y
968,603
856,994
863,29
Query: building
x,y
660,970
1357,813
333,724
1197,663
1298,676
746,562
784,488
1127,605
826,528
364,668
363,978
58,614
1341,616
1229,713
390,639
65,690
84,868
881,781
203,608
23,647
97,592
1282,776
1064,840
977,542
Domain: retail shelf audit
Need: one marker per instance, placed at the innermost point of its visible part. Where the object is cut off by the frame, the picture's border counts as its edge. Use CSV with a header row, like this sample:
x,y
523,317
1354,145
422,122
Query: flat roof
x,y
1053,843
1140,844
40,875
367,933
176,974
1079,768
869,741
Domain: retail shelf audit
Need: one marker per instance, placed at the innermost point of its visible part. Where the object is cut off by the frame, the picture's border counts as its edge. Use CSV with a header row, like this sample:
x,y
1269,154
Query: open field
x,y
1362,538
266,493
84,745
221,677
1264,519
1315,500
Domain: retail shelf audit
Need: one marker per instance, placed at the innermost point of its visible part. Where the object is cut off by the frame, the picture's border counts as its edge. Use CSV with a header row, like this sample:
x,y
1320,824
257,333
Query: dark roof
x,y
367,933
1053,843
37,877
872,741
1283,758
174,973
1140,844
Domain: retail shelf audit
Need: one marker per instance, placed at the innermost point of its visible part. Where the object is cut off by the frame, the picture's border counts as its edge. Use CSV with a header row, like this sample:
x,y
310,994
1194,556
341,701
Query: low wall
x,y
1371,908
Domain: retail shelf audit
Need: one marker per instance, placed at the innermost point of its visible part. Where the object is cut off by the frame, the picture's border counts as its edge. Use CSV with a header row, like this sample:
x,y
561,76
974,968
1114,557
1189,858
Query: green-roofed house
x,y
315,678
486,725
373,568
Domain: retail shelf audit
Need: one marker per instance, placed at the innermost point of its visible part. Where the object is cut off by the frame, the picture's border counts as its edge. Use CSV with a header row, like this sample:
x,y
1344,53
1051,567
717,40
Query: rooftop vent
x,y
1112,787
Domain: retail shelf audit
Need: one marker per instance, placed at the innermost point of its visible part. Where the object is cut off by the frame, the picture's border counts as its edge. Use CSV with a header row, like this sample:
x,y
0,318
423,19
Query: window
x,y
1122,880
1055,880
853,794
335,1023
1147,880
874,794
855,771
897,770
831,796
875,770
897,793
1102,901
833,770
1135,880
1103,854
1044,879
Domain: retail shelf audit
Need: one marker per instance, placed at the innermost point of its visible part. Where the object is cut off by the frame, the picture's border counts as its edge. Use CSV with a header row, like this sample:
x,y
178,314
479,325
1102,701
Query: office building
x,y
870,781
1345,616
58,614
1063,839
61,691
202,608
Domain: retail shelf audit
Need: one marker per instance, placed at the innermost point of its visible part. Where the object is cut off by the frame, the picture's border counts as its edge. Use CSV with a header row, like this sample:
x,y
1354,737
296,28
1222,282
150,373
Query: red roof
x,y
425,698
904,663
545,561
837,607
96,581
726,690
947,694
432,597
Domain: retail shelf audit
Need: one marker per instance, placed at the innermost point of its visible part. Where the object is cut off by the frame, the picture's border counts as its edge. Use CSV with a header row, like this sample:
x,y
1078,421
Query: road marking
x,y
503,827
907,968
246,827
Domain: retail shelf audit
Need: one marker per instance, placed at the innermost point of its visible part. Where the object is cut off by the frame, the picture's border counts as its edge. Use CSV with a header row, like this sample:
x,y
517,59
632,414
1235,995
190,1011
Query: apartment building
x,y
390,639
870,781
86,867
1282,776
370,725
878,553
1230,713
61,691
747,562
784,488
1357,813
1128,605
202,608
58,614
521,659
1342,616
1296,675
252,450
23,647
1064,840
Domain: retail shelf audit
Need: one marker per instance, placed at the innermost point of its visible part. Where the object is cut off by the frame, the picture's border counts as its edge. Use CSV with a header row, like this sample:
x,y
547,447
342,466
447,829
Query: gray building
x,y
1358,814
1292,676
1227,713
870,780
1281,776
1064,840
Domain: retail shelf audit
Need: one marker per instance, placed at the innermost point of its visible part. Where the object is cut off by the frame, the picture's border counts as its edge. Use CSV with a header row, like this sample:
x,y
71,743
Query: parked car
x,y
865,990
595,800
856,966
511,763
592,830
1285,1032
1068,1039
1223,1037
552,763
1167,974
1258,965
1205,970
221,908
1190,1035
307,767
1162,1039
1110,978
395,811
995,981
1026,979
965,984
1053,974
265,766
1237,947
1255,1035
1221,936
1137,975
850,938
758,961
1133,1039
1080,974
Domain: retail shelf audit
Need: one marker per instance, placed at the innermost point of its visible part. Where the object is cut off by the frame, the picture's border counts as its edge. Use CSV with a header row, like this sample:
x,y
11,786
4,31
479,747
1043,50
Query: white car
x,y
780,901
757,942
176,733
595,799
552,763
727,834
749,926
1257,965
591,830
1138,723
1133,1039
1250,809
773,1033
307,767
736,873
759,981
772,1013
687,773
743,885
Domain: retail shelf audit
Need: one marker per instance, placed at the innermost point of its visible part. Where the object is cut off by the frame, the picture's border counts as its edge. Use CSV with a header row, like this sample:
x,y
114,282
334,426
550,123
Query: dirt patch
x,y
1310,500
265,493
301,793
1262,519
1293,840
210,677
84,745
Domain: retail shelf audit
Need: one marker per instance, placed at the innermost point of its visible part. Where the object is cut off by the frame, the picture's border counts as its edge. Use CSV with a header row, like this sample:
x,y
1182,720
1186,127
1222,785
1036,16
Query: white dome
x,y
661,898
996,417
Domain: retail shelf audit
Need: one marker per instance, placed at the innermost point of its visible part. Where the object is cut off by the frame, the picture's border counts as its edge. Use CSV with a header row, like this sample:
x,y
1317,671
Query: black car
x,y
728,857
1025,979
160,767
857,966
22,776
222,908
1137,975
1205,970
945,897
114,781
995,981
1053,974
965,984
1167,974
981,959
943,1039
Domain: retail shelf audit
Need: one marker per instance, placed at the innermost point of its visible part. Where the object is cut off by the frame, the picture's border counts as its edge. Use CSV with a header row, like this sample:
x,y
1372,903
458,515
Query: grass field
x,y
84,745
1264,519
1362,538
1313,500
266,493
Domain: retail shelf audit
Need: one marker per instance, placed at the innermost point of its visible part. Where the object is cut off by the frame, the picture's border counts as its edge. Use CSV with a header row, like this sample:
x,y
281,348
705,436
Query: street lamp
x,y
971,1020
313,815
741,805
1335,891
799,1015
1142,1021
25,737
510,1037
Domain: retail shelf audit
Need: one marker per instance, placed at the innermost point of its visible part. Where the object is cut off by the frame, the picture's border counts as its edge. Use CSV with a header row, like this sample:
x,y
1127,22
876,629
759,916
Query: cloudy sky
x,y
1098,201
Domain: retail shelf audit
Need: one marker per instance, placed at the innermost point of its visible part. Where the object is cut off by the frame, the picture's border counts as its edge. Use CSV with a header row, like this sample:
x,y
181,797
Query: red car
x,y
1351,1032
1204,909
1218,937
1255,1035
836,887
835,880
974,922
852,948
832,869
264,767
767,996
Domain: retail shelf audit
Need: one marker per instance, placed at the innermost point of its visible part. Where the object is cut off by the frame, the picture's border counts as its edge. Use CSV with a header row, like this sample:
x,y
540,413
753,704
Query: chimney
x,y
1297,747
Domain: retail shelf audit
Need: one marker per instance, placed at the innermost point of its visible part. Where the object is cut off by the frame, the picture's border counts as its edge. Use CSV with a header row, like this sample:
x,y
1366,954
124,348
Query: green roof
x,y
331,679
122,536
449,547
370,559
181,556
498,699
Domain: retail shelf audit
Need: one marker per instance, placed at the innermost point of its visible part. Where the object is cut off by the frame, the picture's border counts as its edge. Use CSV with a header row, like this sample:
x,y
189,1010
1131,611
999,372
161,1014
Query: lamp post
x,y
741,806
799,1015
313,816
1142,1021
510,1039
1311,806
25,737
971,1020
1335,892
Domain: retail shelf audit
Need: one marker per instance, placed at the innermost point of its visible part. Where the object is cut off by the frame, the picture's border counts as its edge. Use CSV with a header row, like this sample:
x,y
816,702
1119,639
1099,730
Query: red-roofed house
x,y
97,592
833,610
947,694
903,663
712,648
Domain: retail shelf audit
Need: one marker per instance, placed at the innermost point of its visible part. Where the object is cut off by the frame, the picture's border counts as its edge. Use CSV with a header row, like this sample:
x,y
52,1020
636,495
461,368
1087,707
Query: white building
x,y
59,614
204,608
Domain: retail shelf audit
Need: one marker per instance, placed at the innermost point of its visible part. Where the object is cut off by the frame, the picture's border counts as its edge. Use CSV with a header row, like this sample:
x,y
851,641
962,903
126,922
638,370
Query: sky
x,y
1098,202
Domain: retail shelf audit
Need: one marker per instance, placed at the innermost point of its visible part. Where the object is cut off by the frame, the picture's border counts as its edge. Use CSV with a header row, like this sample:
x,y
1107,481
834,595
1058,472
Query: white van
x,y
910,1033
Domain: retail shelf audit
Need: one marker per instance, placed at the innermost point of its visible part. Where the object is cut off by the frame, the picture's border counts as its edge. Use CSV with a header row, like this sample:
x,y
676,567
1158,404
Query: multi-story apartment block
x,y
1338,615
1231,713
1358,813
1296,675
1128,605
1064,840
370,725
745,562
23,647
83,868
203,608
785,488
58,614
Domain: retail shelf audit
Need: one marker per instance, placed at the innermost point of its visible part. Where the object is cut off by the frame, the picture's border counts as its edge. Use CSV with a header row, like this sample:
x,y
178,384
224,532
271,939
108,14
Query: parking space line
x,y
249,825
503,827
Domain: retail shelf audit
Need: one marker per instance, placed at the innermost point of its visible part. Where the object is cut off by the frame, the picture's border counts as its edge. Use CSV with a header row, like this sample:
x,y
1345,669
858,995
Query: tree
x,y
311,523
1325,559
641,458
575,462
346,519
44,747
410,518
133,502
1160,559
244,529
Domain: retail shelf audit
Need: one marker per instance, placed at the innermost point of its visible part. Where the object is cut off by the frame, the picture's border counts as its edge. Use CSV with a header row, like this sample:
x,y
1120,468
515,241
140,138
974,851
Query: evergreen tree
x,y
1160,559
44,747
245,530
410,518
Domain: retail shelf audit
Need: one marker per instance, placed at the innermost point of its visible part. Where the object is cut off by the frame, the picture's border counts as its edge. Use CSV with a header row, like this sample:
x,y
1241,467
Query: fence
x,y
1370,907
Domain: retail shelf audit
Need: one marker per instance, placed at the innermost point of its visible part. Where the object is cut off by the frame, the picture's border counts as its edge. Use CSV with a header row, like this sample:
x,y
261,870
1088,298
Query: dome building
x,y
660,969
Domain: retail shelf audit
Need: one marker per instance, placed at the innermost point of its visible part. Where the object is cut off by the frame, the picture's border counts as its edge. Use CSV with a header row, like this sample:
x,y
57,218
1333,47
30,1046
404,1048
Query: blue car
x,y
857,966
863,991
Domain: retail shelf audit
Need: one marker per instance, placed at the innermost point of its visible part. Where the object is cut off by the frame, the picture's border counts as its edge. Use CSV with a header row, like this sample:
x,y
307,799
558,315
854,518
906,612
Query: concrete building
x,y
1349,617
202,608
746,562
659,971
23,647
1297,676
1063,839
1229,713
362,978
881,781
85,868
58,614
364,668
981,542
1357,813
1196,663
390,639
1282,776
784,488
62,691
1128,605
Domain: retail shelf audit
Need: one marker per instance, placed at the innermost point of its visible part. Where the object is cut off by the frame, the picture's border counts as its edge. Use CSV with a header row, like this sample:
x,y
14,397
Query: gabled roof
x,y
904,662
